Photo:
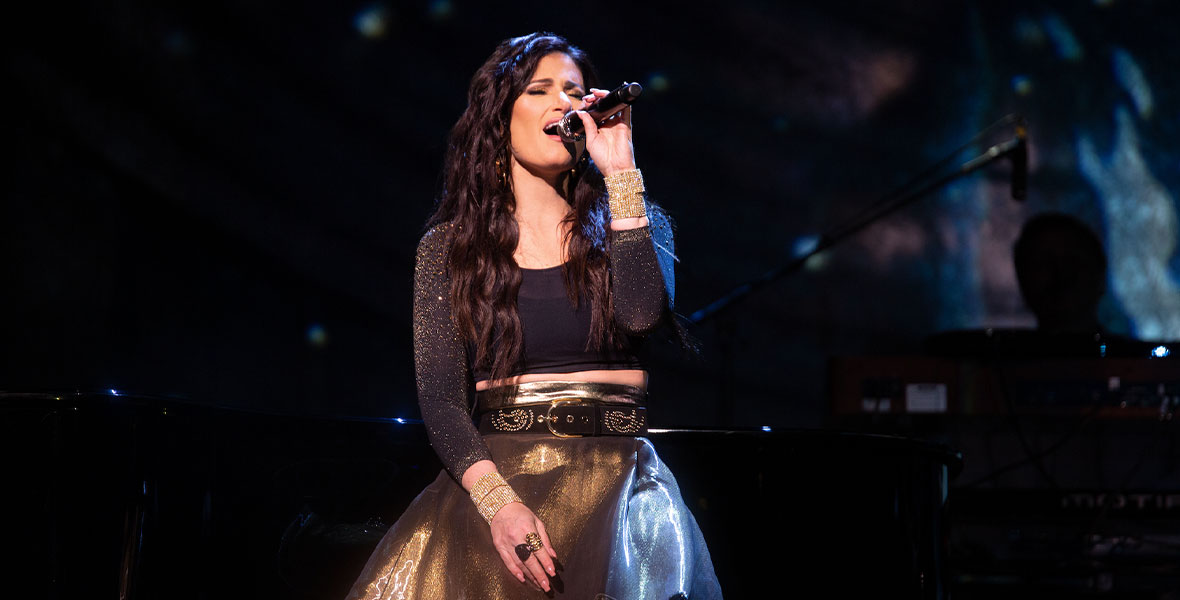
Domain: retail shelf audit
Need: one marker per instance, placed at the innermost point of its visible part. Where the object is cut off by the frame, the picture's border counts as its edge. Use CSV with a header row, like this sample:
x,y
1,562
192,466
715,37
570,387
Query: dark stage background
x,y
219,201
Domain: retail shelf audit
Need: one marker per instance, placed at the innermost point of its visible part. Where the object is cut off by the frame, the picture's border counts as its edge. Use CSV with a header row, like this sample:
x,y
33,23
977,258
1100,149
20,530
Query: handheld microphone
x,y
570,126
1019,158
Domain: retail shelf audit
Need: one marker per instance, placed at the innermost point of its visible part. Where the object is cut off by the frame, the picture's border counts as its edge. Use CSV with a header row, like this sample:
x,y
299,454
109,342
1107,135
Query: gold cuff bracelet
x,y
625,193
495,500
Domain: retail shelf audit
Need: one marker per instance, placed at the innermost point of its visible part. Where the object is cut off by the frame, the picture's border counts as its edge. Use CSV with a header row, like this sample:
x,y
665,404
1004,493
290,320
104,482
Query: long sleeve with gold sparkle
x,y
440,361
642,283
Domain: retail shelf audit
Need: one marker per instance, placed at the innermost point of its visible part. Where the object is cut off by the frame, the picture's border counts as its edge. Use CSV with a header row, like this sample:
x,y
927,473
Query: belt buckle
x,y
550,418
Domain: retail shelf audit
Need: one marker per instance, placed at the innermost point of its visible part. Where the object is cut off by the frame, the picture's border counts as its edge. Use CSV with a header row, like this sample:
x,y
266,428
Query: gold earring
x,y
501,175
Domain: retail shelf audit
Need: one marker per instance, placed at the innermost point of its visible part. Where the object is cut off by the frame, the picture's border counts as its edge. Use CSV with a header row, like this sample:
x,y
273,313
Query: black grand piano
x,y
143,497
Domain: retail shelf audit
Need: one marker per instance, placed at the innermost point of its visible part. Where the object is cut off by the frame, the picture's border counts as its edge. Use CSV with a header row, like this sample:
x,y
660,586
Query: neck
x,y
538,201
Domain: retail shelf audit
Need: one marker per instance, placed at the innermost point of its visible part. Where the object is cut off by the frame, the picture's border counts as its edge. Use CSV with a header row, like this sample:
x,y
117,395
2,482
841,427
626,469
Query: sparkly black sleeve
x,y
642,284
440,360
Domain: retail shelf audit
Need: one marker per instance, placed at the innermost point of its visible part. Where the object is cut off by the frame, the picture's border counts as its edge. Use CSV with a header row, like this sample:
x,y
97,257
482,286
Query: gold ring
x,y
534,541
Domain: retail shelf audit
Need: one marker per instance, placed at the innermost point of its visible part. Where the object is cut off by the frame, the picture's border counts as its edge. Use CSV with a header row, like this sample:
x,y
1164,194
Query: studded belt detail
x,y
567,418
563,409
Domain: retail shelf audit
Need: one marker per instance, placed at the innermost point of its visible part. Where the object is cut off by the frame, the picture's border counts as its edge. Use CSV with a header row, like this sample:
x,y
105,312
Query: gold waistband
x,y
534,392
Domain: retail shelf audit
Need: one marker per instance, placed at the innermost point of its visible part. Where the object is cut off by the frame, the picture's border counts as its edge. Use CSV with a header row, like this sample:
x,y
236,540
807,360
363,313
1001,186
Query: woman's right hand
x,y
509,527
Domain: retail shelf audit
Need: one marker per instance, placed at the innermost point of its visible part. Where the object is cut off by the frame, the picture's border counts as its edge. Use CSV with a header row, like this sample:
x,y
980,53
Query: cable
x,y
1014,420
1046,452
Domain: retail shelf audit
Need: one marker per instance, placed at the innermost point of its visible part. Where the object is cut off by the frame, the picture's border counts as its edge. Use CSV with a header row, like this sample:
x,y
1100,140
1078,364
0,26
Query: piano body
x,y
145,497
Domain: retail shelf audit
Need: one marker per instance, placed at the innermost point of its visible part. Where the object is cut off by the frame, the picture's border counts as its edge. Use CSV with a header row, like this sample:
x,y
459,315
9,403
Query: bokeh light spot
x,y
658,82
317,336
1022,85
441,9
806,244
372,21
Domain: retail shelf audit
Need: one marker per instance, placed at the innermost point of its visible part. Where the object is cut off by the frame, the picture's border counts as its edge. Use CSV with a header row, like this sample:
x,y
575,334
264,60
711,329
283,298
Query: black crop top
x,y
641,290
556,335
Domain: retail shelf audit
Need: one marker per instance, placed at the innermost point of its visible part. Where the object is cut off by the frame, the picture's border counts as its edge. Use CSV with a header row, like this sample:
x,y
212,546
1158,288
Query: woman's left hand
x,y
609,144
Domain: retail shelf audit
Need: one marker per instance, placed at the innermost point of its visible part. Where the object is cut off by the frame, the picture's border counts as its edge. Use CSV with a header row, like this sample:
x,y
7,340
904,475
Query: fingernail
x,y
552,571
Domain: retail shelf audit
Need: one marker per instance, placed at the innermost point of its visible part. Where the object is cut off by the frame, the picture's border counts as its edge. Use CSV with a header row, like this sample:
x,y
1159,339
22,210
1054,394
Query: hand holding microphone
x,y
571,128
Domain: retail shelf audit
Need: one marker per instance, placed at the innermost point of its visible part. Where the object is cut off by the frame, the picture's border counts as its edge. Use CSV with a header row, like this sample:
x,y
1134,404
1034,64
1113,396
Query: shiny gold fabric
x,y
533,392
613,512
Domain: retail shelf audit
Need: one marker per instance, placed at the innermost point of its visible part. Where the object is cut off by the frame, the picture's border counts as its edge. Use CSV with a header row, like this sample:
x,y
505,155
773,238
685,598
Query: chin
x,y
550,169
559,160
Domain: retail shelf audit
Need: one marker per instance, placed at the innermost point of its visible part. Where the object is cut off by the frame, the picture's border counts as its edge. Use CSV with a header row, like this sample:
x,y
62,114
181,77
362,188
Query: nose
x,y
564,101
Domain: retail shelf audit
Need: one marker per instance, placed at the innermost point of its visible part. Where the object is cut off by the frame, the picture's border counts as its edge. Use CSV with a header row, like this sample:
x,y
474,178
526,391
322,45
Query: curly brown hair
x,y
477,201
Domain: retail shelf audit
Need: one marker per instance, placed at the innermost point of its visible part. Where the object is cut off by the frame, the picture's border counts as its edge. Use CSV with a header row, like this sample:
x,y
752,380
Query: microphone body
x,y
570,127
1019,158
1016,151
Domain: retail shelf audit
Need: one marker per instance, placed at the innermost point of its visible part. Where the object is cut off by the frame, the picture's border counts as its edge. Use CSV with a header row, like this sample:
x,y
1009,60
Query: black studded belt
x,y
563,409
567,418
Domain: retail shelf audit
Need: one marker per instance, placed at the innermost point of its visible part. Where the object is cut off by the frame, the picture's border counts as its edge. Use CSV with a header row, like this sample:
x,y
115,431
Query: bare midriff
x,y
633,377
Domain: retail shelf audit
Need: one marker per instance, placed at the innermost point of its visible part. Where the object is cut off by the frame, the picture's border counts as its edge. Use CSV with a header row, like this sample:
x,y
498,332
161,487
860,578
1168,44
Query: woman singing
x,y
542,270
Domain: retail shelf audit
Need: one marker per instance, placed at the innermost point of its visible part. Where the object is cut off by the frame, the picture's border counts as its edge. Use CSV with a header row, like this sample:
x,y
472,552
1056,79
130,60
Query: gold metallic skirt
x,y
612,509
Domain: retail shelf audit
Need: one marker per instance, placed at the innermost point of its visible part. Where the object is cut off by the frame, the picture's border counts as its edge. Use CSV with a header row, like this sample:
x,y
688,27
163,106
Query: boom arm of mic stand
x,y
840,233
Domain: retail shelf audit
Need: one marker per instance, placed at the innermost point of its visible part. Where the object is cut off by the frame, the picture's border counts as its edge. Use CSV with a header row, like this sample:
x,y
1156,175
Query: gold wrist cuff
x,y
485,484
625,193
495,500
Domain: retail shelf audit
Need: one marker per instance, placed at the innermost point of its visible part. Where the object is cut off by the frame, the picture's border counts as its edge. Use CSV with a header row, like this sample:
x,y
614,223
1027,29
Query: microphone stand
x,y
887,205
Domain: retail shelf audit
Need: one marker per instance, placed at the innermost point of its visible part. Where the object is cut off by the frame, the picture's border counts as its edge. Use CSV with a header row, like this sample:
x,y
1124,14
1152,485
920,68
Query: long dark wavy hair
x,y
478,204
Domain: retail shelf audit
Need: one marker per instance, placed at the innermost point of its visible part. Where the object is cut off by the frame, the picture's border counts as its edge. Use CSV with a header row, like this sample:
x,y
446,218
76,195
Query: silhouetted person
x,y
1061,269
